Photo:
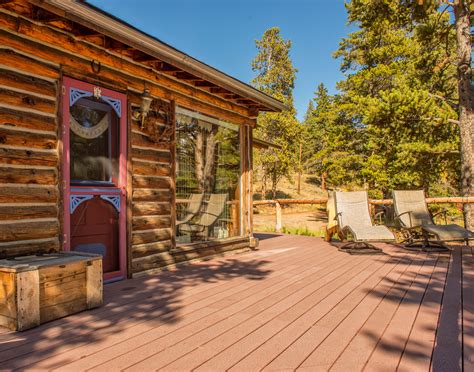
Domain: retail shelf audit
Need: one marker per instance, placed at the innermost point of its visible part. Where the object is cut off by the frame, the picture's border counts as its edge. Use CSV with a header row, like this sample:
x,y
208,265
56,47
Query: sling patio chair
x,y
354,223
207,218
194,203
418,227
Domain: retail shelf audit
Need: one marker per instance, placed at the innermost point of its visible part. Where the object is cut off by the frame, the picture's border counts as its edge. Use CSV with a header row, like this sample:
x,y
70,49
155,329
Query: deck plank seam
x,y
329,334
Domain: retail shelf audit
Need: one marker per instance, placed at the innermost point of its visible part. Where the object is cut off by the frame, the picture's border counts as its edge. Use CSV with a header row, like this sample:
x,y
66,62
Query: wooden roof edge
x,y
96,19
262,144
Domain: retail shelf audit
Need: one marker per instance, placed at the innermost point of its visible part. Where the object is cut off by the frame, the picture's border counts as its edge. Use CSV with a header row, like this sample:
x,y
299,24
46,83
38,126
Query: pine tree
x,y
276,77
397,68
463,17
333,148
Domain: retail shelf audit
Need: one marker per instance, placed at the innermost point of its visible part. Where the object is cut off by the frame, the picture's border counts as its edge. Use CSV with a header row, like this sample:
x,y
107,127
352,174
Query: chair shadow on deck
x,y
146,303
419,303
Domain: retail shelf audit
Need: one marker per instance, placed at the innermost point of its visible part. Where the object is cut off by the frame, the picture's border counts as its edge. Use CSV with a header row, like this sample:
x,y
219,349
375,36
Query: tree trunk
x,y
199,160
210,161
274,183
466,104
323,181
300,169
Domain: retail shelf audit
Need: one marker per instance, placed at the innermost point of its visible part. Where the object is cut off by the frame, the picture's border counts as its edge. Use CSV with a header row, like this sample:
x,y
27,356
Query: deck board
x,y
296,303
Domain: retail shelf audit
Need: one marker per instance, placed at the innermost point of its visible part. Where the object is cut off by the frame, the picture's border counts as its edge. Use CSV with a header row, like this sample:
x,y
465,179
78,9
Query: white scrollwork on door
x,y
76,94
112,199
76,200
115,103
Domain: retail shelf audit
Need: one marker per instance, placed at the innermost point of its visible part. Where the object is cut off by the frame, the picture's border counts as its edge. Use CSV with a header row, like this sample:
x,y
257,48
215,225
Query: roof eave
x,y
87,15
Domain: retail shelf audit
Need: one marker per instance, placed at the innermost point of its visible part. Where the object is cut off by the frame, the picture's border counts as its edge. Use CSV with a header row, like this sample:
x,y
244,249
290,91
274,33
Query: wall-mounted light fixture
x,y
145,104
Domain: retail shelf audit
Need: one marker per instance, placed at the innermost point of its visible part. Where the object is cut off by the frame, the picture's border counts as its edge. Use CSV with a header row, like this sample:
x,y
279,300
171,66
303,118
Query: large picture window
x,y
207,178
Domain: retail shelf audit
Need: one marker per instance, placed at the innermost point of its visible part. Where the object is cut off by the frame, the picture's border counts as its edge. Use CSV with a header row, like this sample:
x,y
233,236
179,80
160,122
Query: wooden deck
x,y
297,303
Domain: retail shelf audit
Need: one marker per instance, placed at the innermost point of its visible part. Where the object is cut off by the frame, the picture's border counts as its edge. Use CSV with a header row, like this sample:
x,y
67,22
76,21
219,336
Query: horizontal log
x,y
151,195
151,222
152,154
144,140
13,136
26,82
28,229
136,125
144,250
157,264
27,100
68,42
436,200
40,176
150,182
150,209
150,236
147,168
231,247
264,202
152,262
28,157
23,119
26,247
209,244
24,62
77,57
14,211
28,194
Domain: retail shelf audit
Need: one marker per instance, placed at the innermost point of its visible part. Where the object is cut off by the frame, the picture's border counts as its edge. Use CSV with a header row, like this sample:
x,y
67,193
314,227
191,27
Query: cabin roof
x,y
173,61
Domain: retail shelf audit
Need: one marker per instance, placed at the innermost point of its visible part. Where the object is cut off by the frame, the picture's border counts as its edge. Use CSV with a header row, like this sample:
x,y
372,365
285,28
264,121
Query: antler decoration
x,y
158,122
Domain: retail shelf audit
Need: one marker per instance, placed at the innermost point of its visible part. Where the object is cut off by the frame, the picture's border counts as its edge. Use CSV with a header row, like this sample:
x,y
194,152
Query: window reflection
x,y
207,179
94,145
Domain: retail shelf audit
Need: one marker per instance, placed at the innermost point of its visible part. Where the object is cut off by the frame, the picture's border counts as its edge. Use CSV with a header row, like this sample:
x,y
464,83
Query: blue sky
x,y
222,33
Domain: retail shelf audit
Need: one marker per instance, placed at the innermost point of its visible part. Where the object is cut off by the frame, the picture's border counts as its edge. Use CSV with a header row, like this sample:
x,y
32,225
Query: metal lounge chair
x,y
207,218
416,222
192,208
353,217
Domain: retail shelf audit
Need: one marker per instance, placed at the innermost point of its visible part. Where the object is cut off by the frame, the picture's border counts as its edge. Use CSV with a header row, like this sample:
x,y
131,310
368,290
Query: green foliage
x,y
276,76
389,127
303,231
334,146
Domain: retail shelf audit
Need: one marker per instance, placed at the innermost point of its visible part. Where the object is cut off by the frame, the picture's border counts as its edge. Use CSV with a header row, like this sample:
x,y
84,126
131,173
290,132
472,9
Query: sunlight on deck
x,y
297,303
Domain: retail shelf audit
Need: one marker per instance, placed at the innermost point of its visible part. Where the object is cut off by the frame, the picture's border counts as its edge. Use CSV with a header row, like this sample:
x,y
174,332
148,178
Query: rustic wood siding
x,y
29,157
33,58
151,171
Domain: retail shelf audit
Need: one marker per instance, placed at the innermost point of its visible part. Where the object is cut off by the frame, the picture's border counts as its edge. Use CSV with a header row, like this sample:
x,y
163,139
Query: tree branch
x,y
444,99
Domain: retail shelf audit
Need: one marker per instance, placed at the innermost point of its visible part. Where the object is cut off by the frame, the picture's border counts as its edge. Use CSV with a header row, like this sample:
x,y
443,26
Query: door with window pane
x,y
94,131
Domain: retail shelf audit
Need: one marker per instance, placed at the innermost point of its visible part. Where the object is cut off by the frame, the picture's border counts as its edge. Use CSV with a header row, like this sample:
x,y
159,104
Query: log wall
x,y
29,153
152,195
33,59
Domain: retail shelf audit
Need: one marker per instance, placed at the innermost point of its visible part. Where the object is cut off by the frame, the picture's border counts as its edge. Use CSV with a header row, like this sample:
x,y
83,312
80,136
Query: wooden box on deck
x,y
37,289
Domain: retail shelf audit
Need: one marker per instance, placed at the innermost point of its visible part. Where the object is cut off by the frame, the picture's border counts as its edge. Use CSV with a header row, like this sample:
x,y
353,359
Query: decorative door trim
x,y
73,90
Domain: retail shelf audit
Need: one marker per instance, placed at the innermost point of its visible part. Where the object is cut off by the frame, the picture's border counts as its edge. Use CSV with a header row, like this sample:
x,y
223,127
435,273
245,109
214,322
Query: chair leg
x,y
360,248
425,245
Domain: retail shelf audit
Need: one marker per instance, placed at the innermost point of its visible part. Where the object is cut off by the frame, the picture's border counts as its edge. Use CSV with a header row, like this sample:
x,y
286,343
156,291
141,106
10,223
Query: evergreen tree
x,y
276,77
334,146
462,11
397,68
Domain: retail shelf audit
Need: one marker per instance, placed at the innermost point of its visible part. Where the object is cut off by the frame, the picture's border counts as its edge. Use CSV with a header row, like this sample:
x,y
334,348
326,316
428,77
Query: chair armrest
x,y
397,218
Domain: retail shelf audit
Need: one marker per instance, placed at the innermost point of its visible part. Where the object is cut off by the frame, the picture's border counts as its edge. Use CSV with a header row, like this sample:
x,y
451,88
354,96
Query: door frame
x,y
120,190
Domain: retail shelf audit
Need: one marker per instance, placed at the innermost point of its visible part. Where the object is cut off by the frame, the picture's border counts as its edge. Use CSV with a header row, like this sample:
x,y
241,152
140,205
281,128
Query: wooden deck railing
x,y
279,202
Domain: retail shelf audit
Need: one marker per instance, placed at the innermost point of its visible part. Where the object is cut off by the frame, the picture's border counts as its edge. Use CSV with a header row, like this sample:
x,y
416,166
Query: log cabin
x,y
113,142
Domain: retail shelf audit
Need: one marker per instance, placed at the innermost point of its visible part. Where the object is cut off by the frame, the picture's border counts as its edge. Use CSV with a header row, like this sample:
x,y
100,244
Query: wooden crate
x,y
37,289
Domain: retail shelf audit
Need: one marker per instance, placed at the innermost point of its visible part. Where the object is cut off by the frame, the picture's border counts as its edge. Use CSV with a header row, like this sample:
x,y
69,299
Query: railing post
x,y
277,216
